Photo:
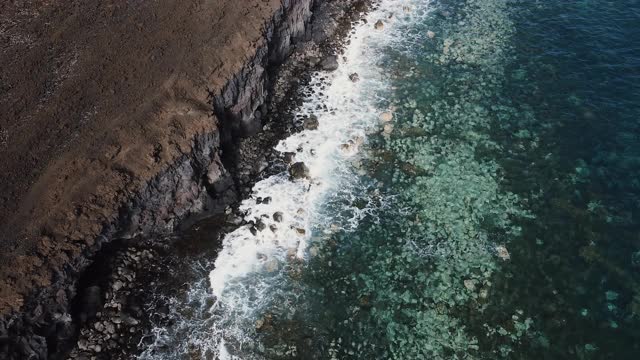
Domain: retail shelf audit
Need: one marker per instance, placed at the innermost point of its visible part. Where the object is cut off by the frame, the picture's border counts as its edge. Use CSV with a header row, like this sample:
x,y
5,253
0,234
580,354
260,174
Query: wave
x,y
255,261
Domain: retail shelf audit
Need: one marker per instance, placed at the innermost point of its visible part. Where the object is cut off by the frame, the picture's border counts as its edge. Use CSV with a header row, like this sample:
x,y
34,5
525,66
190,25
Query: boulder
x,y
329,63
311,123
354,77
277,216
386,116
470,284
299,171
502,252
271,265
379,25
289,157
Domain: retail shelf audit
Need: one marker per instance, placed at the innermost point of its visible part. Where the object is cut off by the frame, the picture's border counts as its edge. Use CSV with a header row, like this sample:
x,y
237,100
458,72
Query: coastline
x,y
174,198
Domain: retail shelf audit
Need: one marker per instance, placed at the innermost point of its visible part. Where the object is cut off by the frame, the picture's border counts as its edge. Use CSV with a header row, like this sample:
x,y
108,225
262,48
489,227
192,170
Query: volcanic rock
x,y
329,63
299,171
311,123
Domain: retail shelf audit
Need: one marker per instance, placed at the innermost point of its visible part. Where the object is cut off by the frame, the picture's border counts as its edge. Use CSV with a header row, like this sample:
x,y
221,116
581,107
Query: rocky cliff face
x,y
175,173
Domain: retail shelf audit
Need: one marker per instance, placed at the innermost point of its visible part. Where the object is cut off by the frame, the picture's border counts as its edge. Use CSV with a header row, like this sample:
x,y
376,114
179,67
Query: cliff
x,y
113,117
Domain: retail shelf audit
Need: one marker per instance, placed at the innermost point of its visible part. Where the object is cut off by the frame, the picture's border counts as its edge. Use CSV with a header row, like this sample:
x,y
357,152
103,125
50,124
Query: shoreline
x,y
239,171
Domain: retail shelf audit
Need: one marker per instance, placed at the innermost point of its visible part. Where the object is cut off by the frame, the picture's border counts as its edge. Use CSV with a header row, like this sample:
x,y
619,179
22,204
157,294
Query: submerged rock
x,y
470,284
313,251
289,157
502,252
431,34
386,116
271,265
299,171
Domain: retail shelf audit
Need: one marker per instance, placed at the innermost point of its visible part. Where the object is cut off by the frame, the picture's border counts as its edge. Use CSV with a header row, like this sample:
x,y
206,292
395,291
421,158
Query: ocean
x,y
473,194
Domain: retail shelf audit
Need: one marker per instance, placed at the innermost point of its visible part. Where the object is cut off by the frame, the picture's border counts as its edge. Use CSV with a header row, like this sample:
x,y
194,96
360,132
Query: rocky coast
x,y
122,124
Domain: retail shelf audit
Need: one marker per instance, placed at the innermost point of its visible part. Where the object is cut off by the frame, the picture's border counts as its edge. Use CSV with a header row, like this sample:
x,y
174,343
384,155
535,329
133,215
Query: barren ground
x,y
96,98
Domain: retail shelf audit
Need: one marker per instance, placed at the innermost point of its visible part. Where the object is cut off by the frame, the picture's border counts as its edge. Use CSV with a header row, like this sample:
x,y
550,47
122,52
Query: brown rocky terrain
x,y
111,119
97,98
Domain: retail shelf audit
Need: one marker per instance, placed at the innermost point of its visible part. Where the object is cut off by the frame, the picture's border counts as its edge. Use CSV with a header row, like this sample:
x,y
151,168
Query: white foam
x,y
250,268
239,273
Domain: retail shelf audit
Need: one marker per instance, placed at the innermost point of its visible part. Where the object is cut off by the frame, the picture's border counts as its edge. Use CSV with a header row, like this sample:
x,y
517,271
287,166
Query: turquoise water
x,y
494,217
516,128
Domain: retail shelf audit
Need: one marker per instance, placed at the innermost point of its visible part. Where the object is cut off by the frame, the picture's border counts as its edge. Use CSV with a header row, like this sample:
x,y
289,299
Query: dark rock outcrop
x,y
329,63
299,171
311,123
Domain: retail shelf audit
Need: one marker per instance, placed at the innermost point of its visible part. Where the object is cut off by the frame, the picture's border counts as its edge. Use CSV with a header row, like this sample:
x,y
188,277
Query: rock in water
x,y
354,77
379,25
329,63
470,284
502,252
277,216
311,123
299,171
386,116
272,265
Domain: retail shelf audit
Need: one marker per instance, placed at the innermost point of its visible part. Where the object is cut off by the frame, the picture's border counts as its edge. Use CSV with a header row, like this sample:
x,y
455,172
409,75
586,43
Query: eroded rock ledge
x,y
144,161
